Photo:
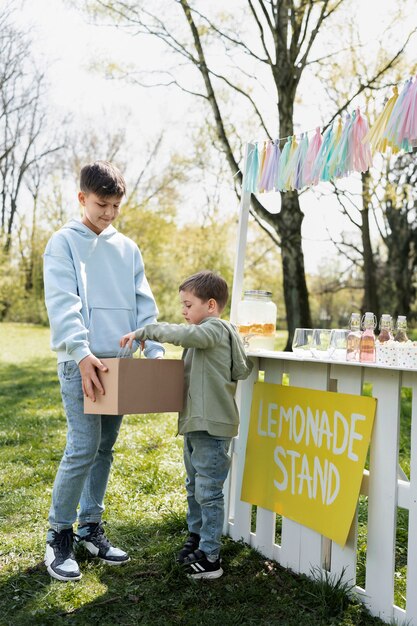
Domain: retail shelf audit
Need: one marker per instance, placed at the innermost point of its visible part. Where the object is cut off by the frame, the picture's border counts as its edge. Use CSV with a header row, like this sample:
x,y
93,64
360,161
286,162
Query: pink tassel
x,y
361,150
408,127
313,150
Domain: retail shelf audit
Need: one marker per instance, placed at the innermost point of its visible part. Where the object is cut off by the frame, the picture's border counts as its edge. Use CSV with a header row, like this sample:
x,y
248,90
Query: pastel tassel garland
x,y
345,148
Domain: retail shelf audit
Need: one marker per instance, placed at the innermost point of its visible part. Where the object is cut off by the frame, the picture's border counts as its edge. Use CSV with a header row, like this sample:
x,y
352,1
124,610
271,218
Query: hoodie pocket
x,y
106,327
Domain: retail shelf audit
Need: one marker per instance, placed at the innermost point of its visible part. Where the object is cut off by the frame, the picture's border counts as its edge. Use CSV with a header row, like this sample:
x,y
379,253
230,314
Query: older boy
x,y
214,359
95,287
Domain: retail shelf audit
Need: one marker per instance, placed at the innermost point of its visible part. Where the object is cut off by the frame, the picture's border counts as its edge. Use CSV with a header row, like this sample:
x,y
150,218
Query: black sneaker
x,y
198,566
59,557
94,540
189,546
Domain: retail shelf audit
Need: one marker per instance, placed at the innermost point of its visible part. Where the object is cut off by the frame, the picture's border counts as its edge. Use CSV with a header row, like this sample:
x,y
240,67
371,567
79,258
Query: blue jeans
x,y
207,464
85,466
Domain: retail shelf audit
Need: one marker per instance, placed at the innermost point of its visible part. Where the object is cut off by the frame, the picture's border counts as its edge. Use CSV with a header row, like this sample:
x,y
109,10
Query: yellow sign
x,y
305,455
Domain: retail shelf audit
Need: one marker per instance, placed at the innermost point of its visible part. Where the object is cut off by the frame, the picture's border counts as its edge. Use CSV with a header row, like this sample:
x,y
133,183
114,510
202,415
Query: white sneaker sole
x,y
64,579
113,562
92,550
207,575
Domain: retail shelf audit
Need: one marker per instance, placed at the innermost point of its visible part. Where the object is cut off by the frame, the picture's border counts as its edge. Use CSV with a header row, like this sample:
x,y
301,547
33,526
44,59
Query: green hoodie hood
x,y
241,366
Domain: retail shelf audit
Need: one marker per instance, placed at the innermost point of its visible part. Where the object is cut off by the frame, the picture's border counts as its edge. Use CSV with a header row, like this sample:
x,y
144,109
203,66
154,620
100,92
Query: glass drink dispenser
x,y
256,319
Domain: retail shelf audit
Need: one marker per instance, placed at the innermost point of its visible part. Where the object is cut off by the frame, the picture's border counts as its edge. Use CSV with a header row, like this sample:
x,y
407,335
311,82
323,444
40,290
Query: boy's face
x,y
195,310
98,212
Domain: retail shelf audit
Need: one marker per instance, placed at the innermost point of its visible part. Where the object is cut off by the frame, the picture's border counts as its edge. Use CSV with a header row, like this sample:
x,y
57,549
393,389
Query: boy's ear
x,y
81,197
212,304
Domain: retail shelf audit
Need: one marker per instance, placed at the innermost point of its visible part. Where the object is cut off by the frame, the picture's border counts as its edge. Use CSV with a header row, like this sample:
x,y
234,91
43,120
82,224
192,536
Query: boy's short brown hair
x,y
102,178
206,285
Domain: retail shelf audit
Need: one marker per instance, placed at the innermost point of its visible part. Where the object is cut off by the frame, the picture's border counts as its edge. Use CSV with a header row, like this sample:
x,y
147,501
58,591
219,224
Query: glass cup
x,y
320,345
338,343
301,343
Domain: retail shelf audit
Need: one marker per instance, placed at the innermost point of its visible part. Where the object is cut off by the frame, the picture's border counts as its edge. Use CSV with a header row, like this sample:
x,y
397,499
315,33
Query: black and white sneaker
x,y
59,557
189,546
198,566
94,540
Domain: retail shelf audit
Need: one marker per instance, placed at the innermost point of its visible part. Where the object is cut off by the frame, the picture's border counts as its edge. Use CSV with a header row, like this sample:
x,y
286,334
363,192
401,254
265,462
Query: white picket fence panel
x,y
304,550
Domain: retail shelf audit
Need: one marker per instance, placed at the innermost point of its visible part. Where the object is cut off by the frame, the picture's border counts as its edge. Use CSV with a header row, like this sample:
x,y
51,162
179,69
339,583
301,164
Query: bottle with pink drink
x,y
353,338
367,351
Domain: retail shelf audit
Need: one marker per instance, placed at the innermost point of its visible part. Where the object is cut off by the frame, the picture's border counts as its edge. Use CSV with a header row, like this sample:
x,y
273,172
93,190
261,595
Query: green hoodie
x,y
214,360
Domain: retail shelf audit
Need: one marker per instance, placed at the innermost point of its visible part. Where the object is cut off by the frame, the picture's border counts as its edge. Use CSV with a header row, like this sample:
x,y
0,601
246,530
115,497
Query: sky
x,y
71,46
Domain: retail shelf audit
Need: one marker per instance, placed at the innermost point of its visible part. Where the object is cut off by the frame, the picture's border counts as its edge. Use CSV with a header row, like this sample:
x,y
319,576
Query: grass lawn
x,y
145,514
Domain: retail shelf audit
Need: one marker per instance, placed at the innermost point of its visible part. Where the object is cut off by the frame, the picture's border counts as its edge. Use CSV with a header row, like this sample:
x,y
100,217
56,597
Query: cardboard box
x,y
139,386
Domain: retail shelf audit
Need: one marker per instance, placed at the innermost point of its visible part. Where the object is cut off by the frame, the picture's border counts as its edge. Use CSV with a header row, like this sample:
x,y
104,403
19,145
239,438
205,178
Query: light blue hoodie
x,y
95,292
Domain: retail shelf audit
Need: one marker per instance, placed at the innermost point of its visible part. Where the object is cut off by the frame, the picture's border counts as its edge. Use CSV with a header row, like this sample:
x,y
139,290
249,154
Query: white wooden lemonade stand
x,y
304,550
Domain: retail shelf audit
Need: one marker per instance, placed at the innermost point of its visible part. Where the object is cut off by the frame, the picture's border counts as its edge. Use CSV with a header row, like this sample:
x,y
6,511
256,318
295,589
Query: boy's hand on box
x,y
88,368
127,340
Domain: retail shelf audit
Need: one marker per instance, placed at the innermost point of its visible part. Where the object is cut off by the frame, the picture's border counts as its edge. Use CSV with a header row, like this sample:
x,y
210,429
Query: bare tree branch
x,y
209,88
371,82
246,95
261,30
225,36
314,32
339,194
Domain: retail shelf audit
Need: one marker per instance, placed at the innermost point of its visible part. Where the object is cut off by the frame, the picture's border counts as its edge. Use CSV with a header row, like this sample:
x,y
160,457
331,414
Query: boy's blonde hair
x,y
206,285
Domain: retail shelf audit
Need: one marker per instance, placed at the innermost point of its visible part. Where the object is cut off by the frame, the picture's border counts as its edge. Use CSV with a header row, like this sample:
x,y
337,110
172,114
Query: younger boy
x,y
95,287
214,359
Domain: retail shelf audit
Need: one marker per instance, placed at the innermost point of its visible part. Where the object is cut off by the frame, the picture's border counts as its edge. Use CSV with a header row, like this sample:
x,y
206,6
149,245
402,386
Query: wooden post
x,y
242,233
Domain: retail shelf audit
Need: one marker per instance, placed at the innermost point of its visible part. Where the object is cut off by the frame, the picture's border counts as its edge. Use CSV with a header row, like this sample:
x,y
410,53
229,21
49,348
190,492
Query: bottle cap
x,y
385,316
401,318
258,292
369,320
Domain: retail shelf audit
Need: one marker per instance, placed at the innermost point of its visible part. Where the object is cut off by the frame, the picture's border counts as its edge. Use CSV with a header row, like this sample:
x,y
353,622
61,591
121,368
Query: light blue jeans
x,y
85,466
207,463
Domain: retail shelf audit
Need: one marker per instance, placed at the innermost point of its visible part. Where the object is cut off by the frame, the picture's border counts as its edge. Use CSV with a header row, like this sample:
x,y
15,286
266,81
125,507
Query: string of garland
x,y
345,147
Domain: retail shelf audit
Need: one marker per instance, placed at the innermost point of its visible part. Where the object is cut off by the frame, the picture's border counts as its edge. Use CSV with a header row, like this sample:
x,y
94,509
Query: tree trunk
x,y
290,218
297,306
400,262
370,299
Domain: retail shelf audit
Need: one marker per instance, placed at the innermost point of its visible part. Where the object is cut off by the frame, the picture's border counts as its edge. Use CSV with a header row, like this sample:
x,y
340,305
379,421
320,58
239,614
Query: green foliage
x,y
11,286
263,269
16,302
334,295
171,252
331,594
146,515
